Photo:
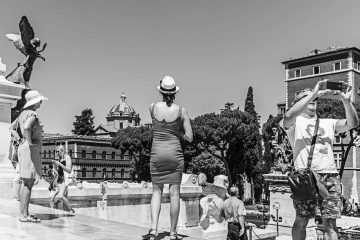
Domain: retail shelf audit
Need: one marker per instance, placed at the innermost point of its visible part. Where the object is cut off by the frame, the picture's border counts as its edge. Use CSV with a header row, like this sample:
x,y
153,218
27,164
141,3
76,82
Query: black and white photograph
x,y
169,120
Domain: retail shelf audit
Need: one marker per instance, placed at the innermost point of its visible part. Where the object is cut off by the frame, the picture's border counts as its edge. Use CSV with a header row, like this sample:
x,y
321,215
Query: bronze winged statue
x,y
27,44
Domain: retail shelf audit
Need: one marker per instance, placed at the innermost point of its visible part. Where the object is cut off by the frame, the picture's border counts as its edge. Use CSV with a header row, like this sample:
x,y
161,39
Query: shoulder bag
x,y
14,145
303,182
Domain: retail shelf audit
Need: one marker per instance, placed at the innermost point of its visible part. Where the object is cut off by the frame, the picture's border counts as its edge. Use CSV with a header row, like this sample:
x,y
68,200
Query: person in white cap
x,y
171,123
29,150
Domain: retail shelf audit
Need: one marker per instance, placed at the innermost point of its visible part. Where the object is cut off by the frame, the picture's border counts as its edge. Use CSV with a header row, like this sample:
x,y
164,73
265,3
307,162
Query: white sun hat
x,y
168,85
33,97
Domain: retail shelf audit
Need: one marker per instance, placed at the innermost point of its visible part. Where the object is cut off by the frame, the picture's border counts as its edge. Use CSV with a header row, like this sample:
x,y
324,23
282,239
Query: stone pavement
x,y
60,225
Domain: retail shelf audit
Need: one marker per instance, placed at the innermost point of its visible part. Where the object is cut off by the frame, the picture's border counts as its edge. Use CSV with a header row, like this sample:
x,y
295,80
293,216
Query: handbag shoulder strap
x,y
18,128
313,143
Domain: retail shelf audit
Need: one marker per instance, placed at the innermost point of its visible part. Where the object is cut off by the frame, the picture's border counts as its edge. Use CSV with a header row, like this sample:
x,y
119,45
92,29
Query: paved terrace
x,y
60,225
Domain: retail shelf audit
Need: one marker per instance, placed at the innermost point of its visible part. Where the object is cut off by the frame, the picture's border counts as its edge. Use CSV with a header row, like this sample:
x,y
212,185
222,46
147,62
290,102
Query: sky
x,y
214,50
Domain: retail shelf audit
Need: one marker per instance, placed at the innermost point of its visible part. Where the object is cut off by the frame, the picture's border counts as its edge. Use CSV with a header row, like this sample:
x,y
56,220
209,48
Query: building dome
x,y
123,108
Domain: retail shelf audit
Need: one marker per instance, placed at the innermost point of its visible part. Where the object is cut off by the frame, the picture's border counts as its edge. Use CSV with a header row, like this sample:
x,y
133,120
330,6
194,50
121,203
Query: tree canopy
x,y
84,124
207,164
229,136
137,142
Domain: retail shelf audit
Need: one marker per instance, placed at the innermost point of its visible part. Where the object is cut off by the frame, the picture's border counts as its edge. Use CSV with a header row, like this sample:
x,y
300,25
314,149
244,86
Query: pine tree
x,y
84,124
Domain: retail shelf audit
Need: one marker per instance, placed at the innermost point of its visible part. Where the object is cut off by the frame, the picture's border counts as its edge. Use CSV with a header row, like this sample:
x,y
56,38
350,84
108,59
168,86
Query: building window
x,y
130,156
121,125
298,73
94,172
103,155
44,153
122,173
83,172
113,155
70,153
45,169
54,154
316,69
337,66
104,174
49,153
94,154
337,159
337,139
122,156
113,173
83,154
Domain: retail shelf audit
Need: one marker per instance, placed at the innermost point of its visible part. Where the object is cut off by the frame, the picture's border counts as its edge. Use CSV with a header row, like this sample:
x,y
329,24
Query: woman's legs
x,y
62,197
25,194
53,194
174,206
156,204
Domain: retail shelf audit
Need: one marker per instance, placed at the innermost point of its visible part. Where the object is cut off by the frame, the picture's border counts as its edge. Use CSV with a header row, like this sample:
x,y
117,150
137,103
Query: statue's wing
x,y
27,33
16,39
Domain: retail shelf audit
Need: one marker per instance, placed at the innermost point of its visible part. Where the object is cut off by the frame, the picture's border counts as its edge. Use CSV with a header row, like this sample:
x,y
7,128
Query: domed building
x,y
120,116
93,157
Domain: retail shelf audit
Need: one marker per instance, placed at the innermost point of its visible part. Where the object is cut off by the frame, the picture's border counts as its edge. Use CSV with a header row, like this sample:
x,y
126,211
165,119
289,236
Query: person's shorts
x,y
329,207
233,232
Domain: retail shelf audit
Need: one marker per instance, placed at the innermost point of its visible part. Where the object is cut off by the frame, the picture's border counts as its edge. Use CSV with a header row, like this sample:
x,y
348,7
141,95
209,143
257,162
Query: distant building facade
x,y
334,64
93,157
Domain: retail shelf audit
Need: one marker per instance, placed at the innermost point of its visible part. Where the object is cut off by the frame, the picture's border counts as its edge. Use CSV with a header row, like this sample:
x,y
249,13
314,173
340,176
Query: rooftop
x,y
122,108
318,52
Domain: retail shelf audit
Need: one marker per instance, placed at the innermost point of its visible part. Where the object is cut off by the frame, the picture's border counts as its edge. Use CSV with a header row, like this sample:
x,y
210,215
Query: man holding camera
x,y
299,123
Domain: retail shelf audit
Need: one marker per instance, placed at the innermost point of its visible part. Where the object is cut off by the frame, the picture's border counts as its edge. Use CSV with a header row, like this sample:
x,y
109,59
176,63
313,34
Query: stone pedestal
x,y
9,94
280,193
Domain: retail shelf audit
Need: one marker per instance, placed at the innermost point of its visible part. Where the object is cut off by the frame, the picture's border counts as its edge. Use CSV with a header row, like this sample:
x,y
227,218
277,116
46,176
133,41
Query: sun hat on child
x,y
33,97
168,85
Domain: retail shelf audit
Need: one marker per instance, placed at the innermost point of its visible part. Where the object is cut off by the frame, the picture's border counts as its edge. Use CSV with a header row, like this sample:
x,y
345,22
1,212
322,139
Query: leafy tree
x,y
333,108
227,137
207,164
84,124
268,158
137,142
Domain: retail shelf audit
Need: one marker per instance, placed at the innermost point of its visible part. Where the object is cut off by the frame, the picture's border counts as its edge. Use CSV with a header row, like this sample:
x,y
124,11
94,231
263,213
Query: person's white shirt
x,y
300,136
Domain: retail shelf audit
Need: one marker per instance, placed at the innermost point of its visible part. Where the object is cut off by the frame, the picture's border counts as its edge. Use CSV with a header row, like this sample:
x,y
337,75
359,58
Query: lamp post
x,y
278,219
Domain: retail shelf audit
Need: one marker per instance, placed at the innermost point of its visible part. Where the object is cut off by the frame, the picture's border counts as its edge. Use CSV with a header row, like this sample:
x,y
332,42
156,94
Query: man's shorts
x,y
329,207
233,232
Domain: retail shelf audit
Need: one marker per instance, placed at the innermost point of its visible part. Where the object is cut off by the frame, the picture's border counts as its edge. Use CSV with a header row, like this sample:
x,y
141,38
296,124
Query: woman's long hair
x,y
168,98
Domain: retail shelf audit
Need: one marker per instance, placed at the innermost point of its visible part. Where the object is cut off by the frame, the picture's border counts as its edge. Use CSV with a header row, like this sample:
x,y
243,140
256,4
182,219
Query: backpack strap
x,y
313,143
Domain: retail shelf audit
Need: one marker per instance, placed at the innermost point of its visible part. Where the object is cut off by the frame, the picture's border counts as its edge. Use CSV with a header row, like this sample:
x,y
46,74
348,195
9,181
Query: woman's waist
x,y
166,136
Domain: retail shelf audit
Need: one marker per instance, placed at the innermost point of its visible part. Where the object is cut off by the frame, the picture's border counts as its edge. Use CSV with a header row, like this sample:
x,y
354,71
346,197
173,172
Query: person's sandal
x,y
30,218
175,236
151,235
